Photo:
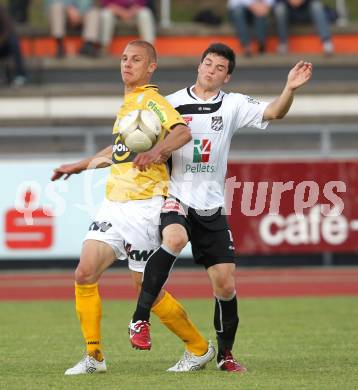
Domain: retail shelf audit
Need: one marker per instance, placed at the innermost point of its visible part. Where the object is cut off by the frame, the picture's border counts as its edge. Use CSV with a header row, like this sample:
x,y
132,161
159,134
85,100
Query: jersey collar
x,y
145,87
191,93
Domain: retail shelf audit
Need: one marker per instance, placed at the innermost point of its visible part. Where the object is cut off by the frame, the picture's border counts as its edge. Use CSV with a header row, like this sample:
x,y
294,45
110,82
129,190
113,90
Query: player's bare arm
x,y
299,75
101,159
178,137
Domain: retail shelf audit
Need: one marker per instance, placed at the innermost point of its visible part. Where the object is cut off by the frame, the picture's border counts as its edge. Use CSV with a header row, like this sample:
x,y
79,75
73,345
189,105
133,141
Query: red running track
x,y
291,282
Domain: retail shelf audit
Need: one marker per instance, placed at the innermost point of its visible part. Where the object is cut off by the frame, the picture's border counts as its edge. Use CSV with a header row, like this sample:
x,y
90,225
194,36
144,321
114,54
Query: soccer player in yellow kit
x,y
127,224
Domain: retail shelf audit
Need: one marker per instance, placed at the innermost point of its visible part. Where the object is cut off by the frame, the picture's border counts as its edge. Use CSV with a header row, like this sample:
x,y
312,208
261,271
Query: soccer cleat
x,y
139,335
229,364
190,362
88,365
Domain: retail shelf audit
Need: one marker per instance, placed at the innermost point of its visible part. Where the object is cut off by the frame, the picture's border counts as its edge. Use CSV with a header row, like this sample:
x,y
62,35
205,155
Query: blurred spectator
x,y
242,13
19,10
302,11
126,10
77,13
10,48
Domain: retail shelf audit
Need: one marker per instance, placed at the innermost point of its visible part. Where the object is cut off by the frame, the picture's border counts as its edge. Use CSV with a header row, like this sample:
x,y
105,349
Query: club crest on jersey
x,y
217,123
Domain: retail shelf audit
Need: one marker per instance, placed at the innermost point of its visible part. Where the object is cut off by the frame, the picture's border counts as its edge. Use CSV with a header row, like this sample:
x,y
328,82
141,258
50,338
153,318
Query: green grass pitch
x,y
305,343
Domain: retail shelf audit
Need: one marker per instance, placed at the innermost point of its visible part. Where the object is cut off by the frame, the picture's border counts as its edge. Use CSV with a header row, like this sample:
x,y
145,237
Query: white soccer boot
x,y
190,362
88,365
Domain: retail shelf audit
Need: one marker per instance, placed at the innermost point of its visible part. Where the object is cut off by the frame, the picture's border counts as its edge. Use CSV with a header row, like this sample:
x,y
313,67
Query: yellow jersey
x,y
126,182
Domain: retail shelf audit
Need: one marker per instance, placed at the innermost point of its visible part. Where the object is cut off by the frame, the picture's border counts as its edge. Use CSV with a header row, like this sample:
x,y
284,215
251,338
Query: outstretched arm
x,y
160,153
101,159
297,77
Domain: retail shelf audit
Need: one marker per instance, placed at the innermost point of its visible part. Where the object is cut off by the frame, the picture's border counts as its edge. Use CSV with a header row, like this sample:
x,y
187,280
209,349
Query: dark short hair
x,y
221,50
150,49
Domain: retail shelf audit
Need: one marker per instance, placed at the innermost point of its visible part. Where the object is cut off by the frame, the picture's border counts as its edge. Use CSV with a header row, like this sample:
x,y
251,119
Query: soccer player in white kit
x,y
195,208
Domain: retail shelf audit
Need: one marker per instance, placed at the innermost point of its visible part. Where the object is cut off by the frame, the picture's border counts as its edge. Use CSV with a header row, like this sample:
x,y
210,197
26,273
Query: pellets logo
x,y
202,149
201,157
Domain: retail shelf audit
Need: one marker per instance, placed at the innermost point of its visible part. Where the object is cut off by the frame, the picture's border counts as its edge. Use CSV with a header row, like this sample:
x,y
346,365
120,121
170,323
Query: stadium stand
x,y
185,39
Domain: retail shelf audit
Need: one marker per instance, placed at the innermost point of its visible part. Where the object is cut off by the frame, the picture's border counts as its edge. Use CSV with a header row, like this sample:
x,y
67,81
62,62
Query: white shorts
x,y
131,229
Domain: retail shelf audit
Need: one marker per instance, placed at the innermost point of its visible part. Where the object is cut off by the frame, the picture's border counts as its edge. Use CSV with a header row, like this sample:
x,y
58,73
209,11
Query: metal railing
x,y
278,142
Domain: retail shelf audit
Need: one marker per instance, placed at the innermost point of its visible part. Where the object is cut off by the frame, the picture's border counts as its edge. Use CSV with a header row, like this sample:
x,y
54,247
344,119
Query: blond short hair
x,y
150,49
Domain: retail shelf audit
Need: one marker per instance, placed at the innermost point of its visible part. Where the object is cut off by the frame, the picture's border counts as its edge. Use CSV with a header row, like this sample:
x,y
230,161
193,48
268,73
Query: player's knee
x,y
175,242
85,275
227,291
224,286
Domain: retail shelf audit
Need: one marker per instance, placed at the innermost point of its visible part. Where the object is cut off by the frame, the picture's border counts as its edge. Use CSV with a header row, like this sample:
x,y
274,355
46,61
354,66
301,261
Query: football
x,y
140,130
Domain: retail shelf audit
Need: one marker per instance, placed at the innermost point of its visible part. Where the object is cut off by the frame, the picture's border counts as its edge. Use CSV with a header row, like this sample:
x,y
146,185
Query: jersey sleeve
x,y
167,115
249,112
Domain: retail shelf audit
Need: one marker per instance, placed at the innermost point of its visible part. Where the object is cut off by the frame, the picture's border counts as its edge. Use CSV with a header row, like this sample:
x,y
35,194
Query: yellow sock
x,y
89,311
173,315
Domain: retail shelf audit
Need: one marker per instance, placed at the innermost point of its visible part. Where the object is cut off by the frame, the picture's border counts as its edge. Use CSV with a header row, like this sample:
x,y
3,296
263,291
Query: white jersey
x,y
199,167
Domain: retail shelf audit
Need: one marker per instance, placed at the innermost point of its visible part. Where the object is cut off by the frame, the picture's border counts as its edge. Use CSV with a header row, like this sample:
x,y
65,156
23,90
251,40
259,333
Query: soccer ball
x,y
140,130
